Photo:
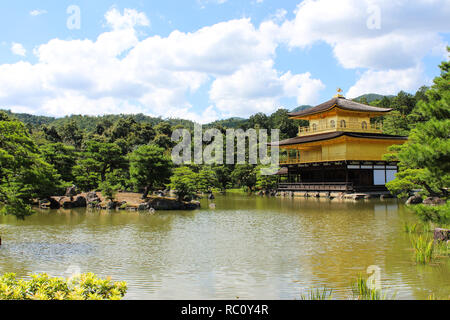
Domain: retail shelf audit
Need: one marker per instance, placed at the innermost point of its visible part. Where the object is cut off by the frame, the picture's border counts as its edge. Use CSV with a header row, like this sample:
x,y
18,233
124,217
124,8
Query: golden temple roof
x,y
342,103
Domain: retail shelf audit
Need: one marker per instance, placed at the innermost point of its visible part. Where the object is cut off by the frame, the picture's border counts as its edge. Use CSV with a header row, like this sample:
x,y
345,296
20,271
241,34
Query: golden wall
x,y
343,148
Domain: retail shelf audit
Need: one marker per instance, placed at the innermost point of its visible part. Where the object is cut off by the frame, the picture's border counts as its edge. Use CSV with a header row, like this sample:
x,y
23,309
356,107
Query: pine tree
x,y
24,174
424,161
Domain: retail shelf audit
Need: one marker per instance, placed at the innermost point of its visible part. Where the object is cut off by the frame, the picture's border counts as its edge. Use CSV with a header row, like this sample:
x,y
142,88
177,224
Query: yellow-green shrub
x,y
42,287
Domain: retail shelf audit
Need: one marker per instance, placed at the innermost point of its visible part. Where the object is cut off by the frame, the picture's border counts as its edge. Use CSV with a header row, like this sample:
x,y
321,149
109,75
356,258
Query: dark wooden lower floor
x,y
343,176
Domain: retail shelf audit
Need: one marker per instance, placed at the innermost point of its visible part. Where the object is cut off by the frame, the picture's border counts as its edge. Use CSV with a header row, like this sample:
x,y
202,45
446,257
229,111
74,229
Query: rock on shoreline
x,y
442,234
124,201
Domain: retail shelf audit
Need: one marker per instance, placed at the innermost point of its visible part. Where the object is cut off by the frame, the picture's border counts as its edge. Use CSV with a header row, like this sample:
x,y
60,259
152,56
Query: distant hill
x,y
31,119
371,97
301,108
89,123
232,123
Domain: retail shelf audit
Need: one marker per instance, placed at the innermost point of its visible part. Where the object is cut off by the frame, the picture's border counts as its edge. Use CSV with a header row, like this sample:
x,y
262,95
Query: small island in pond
x,y
123,201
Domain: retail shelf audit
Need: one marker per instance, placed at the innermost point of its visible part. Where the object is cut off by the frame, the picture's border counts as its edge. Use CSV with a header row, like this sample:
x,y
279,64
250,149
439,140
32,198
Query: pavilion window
x,y
332,124
364,125
343,124
314,127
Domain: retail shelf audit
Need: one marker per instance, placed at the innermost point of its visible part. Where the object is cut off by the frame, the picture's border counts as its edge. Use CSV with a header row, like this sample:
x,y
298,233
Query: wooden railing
x,y
349,126
320,186
285,161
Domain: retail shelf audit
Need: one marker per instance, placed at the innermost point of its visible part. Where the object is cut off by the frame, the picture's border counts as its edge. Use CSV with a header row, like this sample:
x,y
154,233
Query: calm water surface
x,y
248,247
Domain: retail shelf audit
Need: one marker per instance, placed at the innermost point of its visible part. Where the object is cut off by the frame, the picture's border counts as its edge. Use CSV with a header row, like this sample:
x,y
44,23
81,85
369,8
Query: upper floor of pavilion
x,y
340,114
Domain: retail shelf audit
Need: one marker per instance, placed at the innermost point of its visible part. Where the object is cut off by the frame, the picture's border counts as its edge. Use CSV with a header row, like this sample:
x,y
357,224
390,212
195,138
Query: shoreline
x,y
130,201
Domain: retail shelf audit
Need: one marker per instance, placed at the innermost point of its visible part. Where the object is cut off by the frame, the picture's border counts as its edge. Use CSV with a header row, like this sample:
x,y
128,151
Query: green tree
x,y
396,124
149,167
363,100
163,141
244,175
164,128
121,128
421,94
259,120
111,185
206,179
265,181
223,176
107,155
424,161
62,157
280,120
72,134
128,133
87,174
24,174
403,103
184,181
51,134
383,103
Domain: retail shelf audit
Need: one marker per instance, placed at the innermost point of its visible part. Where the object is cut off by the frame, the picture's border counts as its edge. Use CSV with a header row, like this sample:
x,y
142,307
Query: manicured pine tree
x,y
424,161
149,168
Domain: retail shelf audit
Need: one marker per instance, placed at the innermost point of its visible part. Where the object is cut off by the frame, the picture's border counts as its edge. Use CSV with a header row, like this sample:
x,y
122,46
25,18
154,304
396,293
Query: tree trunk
x,y
103,173
146,192
430,191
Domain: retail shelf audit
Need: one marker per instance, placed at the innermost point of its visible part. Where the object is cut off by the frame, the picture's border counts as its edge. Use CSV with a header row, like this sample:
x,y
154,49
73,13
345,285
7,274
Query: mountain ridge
x,y
91,121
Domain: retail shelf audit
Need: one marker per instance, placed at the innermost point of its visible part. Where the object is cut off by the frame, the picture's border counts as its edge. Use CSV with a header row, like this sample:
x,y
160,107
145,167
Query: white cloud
x,y
37,12
388,82
129,19
279,15
118,73
235,60
408,32
202,3
258,87
218,49
18,49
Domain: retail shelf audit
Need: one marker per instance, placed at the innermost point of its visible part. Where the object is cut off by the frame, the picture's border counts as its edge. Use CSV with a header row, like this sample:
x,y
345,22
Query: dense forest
x,y
41,156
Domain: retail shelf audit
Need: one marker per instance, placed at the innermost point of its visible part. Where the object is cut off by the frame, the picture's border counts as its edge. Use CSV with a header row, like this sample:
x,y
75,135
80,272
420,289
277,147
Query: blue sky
x,y
206,60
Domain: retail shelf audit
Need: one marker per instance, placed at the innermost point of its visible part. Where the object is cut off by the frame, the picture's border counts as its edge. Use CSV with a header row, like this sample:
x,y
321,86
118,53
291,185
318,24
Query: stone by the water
x,y
441,234
414,200
434,201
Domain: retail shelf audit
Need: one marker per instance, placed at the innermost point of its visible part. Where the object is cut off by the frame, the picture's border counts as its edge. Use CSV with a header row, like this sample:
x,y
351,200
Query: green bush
x,y
437,214
42,287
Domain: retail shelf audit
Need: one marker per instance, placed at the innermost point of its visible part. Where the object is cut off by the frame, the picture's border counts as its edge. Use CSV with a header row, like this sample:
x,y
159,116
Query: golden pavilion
x,y
341,150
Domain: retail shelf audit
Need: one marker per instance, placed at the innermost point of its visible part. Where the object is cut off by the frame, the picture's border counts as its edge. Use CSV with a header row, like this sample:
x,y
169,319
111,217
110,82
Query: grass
x,y
442,249
421,227
433,297
318,294
423,248
237,190
410,228
361,291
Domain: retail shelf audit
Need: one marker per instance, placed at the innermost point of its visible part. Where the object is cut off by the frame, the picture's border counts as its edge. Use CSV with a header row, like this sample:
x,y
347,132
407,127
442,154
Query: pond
x,y
248,247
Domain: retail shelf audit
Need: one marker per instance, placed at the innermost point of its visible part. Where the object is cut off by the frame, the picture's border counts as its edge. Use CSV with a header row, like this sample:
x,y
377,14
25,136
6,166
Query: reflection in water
x,y
47,251
247,247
